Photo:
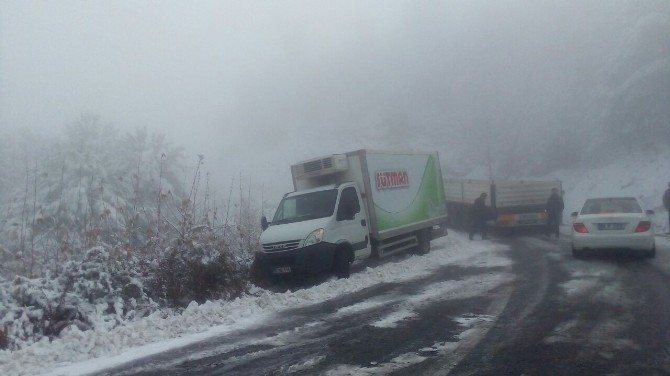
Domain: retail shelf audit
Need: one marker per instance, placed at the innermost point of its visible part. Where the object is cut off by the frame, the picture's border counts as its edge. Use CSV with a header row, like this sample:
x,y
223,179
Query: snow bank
x,y
134,339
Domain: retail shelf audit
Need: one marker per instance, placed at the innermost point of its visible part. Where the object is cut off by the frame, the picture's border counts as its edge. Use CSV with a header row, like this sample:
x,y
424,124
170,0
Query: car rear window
x,y
611,206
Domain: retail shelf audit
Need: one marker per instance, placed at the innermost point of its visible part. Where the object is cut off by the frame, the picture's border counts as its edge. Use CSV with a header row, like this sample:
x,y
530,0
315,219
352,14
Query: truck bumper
x,y
521,220
311,259
636,242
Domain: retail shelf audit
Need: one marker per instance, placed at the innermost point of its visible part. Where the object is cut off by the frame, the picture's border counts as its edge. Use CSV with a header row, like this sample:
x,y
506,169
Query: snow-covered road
x,y
543,313
513,305
602,315
79,352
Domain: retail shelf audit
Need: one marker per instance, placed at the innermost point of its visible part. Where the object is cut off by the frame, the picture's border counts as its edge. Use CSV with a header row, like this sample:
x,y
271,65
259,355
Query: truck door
x,y
353,223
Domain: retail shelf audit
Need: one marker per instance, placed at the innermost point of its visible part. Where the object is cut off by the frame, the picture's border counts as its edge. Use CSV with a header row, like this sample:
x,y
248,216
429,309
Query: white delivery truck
x,y
512,203
353,206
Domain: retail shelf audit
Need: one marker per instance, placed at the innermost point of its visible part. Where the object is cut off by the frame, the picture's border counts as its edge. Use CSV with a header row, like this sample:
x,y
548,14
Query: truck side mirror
x,y
574,214
264,223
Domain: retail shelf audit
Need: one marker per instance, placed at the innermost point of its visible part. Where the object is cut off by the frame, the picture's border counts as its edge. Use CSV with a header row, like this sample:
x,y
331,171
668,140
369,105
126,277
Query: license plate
x,y
611,226
282,270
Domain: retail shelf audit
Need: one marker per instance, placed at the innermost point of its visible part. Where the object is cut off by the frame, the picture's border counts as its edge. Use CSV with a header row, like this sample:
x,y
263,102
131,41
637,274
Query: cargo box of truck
x,y
512,203
353,206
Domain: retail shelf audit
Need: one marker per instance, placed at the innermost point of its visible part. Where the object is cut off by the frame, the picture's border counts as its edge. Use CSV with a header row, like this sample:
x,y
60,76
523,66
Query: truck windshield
x,y
306,206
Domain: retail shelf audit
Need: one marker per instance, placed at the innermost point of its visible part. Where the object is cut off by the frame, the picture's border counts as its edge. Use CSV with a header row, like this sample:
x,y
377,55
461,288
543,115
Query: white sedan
x,y
613,223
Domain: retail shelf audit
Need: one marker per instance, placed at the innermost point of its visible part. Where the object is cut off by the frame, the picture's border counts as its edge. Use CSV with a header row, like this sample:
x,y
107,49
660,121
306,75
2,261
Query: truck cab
x,y
317,229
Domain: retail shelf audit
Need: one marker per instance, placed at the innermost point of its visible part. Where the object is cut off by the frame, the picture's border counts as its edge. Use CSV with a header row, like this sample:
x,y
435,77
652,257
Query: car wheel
x,y
652,252
341,264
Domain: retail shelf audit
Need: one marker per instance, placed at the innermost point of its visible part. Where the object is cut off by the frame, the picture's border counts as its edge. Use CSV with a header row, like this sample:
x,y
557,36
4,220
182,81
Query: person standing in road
x,y
555,208
666,202
560,221
478,220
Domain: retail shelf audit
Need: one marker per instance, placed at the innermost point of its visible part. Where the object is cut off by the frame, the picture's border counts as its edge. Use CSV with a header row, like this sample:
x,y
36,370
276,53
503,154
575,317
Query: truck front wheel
x,y
341,264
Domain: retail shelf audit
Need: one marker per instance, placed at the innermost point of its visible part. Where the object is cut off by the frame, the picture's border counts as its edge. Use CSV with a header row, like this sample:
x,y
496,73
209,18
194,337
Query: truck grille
x,y
281,246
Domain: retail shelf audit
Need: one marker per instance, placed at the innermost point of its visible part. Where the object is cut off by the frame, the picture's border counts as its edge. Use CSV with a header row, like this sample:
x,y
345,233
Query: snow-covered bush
x,y
198,268
99,290
93,185
97,228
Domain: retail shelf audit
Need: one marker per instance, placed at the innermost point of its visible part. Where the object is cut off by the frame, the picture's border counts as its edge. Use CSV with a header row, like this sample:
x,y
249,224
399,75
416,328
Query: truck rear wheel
x,y
341,264
423,237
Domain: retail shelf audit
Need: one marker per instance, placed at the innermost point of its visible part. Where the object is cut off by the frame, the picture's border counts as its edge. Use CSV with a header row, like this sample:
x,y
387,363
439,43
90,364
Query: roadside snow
x,y
306,365
470,320
364,306
99,349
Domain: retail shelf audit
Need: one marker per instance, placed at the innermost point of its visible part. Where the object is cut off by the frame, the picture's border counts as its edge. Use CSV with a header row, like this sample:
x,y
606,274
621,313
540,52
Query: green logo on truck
x,y
428,203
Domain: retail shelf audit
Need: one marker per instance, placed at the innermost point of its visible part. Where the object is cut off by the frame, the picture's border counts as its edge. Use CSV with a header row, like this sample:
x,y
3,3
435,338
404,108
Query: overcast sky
x,y
256,86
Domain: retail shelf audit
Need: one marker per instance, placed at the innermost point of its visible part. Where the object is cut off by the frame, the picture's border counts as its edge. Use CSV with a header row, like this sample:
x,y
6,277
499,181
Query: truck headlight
x,y
314,237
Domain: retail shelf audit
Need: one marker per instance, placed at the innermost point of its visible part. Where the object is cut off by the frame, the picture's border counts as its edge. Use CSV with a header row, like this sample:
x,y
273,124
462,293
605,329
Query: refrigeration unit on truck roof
x,y
321,166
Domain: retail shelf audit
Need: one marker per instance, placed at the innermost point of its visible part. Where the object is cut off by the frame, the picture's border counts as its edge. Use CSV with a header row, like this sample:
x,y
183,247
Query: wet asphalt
x,y
605,315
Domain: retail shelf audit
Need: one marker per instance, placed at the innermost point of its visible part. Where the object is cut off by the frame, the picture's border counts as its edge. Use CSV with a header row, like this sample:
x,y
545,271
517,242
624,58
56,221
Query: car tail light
x,y
580,228
643,226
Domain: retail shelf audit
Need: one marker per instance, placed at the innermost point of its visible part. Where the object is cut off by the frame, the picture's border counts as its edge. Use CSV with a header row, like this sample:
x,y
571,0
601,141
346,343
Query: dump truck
x,y
512,204
353,206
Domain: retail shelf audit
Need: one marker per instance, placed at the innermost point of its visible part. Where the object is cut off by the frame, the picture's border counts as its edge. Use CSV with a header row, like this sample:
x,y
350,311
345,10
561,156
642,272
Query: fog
x,y
256,86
